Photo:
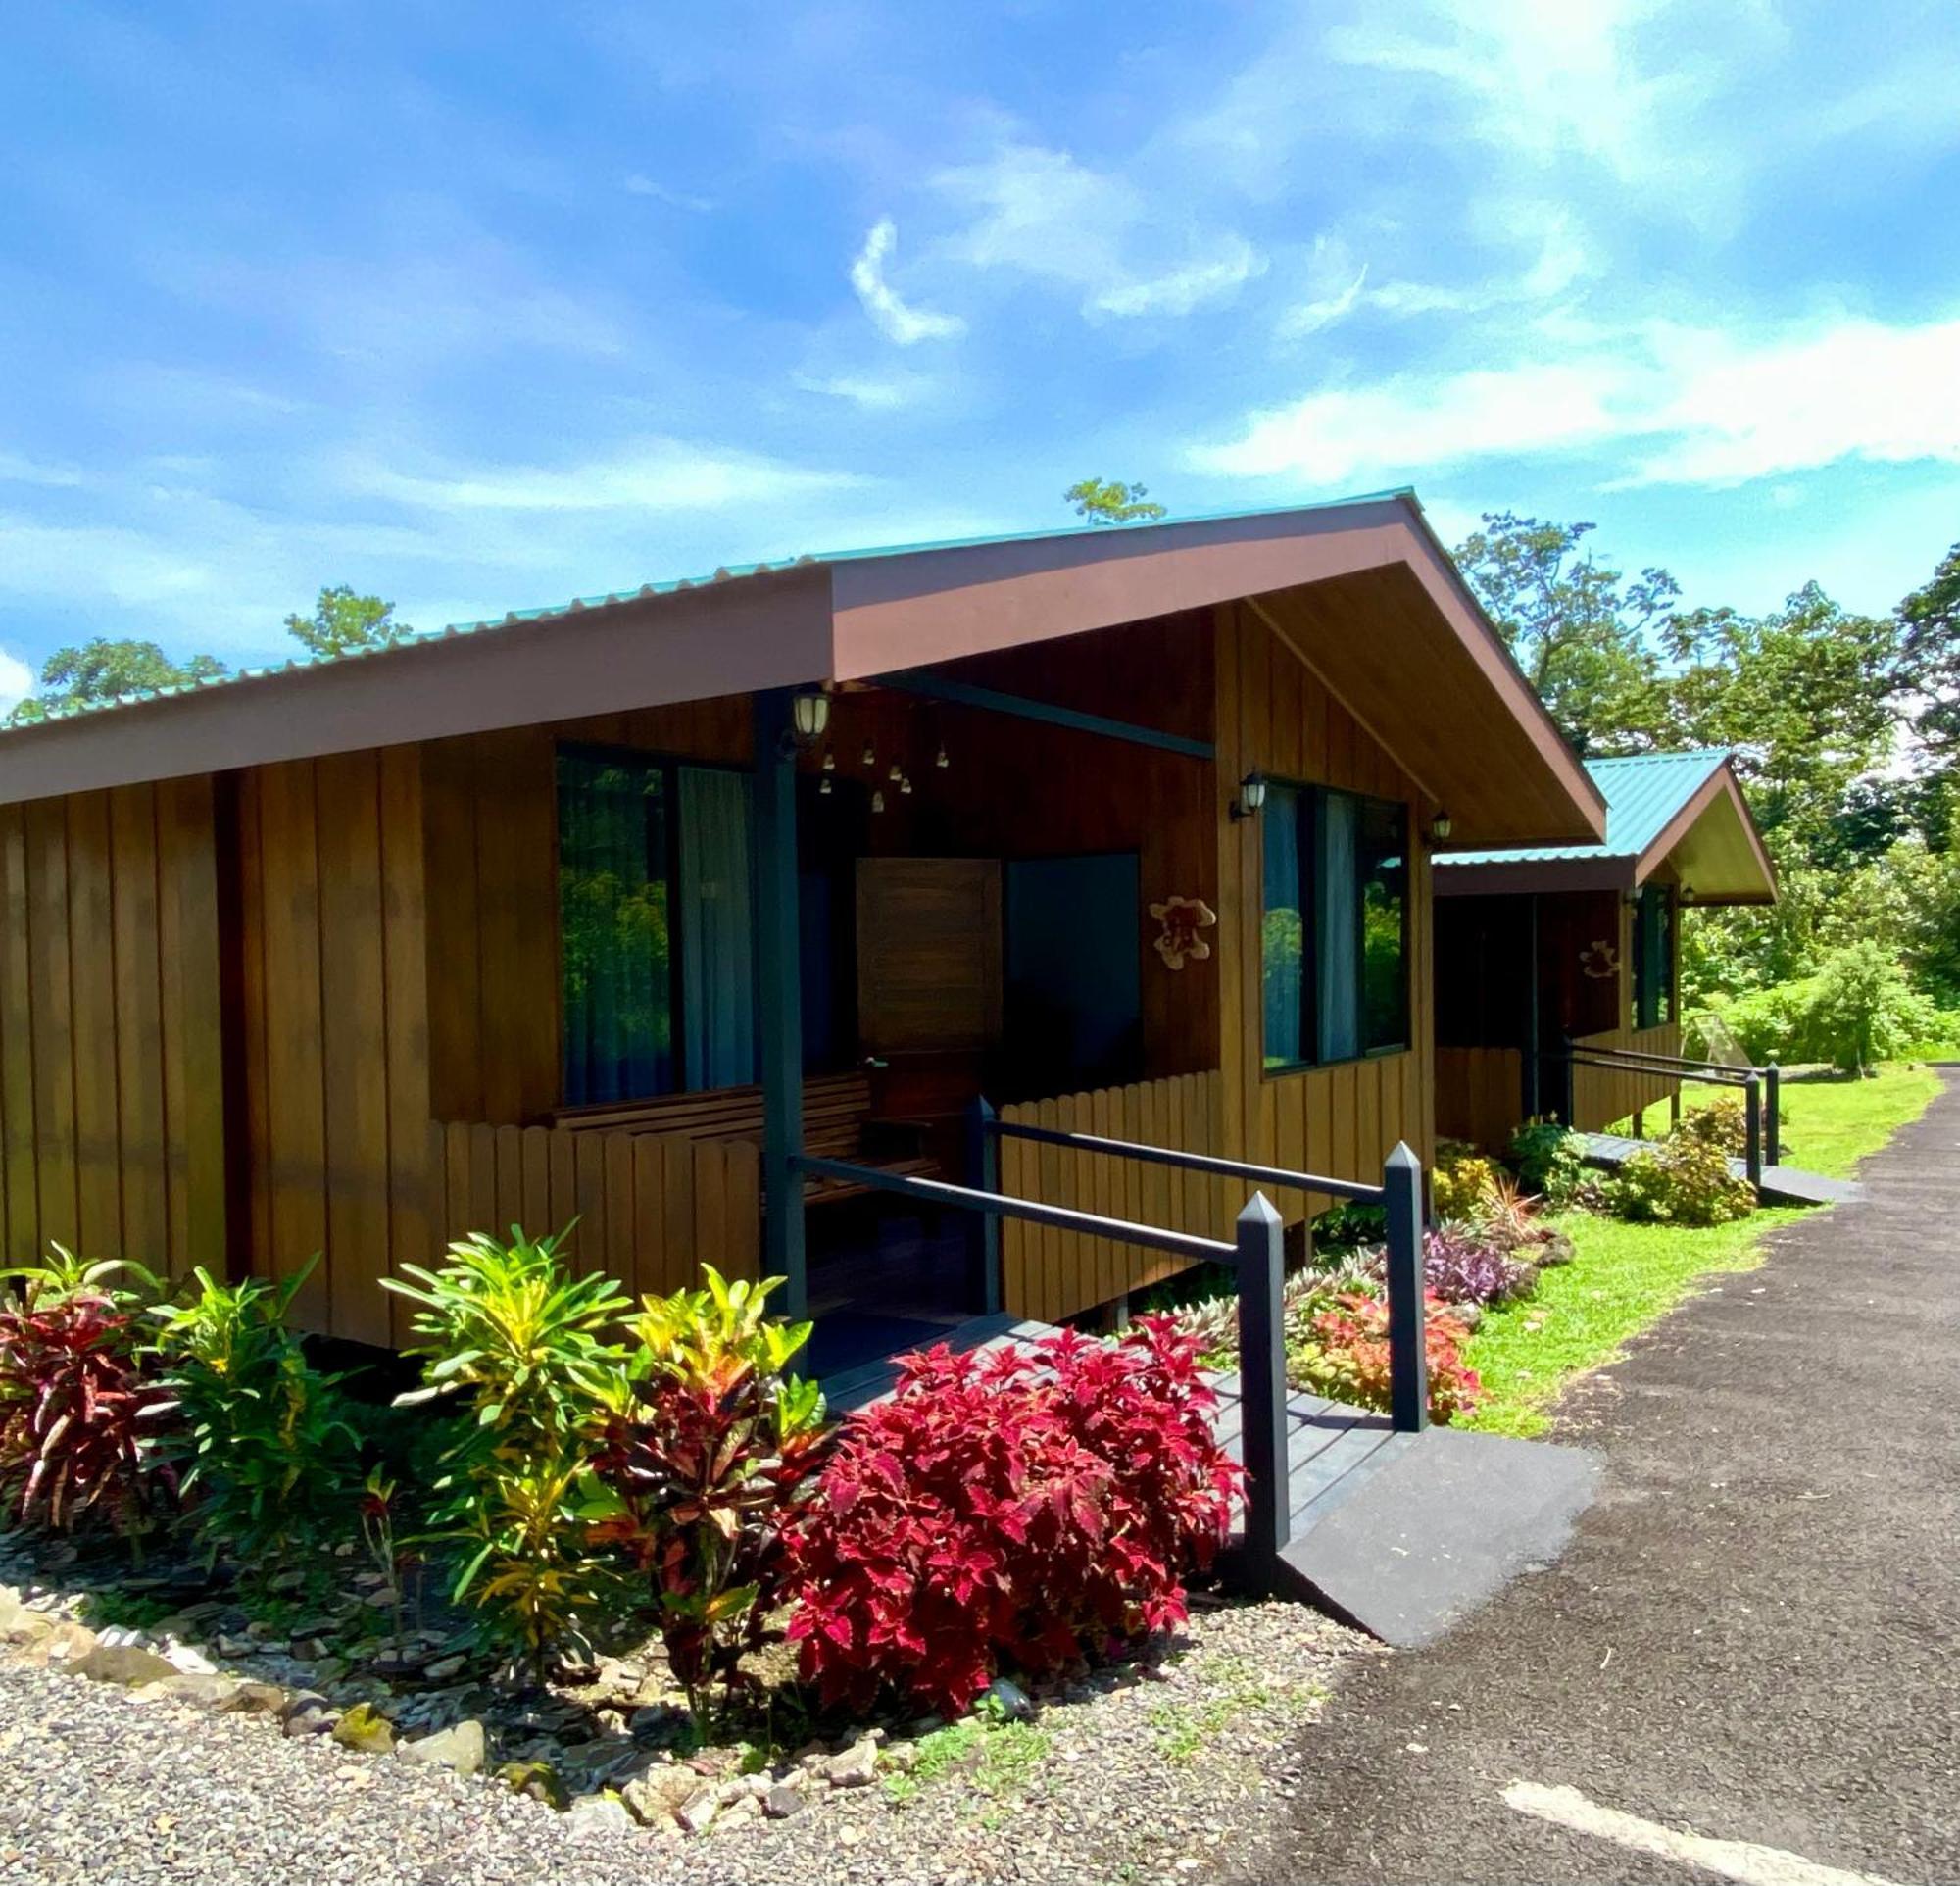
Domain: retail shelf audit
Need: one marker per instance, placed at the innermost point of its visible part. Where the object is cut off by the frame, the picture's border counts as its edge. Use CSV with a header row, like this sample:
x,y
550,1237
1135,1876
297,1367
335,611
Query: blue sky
x,y
486,306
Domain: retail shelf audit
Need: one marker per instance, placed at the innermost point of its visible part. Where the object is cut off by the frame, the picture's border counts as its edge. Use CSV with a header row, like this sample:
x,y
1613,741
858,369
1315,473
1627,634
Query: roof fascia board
x,y
1609,871
767,630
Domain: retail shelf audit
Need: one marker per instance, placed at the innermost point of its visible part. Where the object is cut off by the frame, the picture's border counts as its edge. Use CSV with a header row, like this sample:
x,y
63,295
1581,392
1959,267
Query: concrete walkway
x,y
1755,1636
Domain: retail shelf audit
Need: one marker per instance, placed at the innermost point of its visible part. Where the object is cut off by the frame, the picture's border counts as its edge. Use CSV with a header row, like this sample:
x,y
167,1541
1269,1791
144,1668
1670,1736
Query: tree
x,y
1929,660
342,621
104,671
1110,501
1577,628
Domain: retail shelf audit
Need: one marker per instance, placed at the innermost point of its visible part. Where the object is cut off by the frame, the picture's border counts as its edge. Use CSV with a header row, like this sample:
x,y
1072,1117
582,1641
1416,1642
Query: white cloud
x,y
1683,404
875,394
15,469
895,319
638,183
17,681
654,475
1182,290
1333,284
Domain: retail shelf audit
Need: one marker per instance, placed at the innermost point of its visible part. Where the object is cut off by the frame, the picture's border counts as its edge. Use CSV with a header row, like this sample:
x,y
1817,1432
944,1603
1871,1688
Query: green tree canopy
x,y
103,670
1929,668
1577,627
342,621
1112,501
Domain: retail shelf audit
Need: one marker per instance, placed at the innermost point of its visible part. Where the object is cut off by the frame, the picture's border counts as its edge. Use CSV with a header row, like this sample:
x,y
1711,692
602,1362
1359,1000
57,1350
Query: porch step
x,y
1781,1184
858,1388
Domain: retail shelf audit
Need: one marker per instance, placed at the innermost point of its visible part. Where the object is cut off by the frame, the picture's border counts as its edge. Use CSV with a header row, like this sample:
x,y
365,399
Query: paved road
x,y
1755,1634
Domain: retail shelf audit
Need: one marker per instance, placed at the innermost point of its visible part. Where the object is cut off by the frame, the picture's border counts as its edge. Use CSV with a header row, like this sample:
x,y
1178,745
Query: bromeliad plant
x,y
708,1445
515,1338
80,1415
261,1435
1017,1506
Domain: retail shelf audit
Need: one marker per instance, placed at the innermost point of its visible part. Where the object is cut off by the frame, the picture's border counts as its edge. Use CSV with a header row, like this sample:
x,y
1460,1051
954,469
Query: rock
x,y
747,1808
312,1716
366,1728
654,1723
123,1637
257,1698
1012,1701
463,1746
310,1650
901,1756
854,1767
660,1795
697,1815
20,1625
331,1669
598,1813
781,1802
187,1658
193,1687
127,1663
445,1670
535,1779
228,1646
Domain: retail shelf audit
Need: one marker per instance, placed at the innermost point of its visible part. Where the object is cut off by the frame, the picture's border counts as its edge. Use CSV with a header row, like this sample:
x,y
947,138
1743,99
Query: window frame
x,y
1655,896
1314,794
668,766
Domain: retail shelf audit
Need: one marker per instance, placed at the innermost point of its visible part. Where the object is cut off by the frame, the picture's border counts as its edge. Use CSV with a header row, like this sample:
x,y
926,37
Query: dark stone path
x,y
1755,1633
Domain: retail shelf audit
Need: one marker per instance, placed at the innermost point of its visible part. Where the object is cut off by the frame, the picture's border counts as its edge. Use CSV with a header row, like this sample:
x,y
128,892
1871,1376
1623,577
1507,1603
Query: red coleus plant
x,y
1011,1506
1343,1354
76,1411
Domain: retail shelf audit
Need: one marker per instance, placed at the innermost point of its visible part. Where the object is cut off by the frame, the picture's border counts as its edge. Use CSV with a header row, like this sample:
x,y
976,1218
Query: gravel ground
x,y
1149,1776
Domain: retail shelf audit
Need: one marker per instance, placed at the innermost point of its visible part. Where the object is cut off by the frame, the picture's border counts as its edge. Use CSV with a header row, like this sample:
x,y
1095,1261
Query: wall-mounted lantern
x,y
809,714
1251,795
1440,828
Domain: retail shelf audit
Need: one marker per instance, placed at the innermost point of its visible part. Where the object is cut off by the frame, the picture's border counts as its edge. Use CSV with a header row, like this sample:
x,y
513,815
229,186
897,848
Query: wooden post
x,y
1408,1361
983,1173
779,954
1534,1044
1773,1114
1752,1117
1262,1388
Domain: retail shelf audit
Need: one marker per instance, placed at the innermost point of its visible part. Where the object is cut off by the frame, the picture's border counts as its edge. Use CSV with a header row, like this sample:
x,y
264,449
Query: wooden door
x,y
928,953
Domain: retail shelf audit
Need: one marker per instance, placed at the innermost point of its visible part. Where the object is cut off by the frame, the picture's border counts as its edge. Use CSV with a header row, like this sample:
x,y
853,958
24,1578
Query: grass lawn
x,y
1625,1277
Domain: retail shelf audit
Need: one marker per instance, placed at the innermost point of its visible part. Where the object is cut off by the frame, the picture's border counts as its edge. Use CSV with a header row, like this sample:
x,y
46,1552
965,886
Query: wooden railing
x,y
1051,1274
650,1207
1603,1096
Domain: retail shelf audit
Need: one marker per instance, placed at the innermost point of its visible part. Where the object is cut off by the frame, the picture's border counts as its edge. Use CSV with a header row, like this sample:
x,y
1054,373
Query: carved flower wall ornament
x,y
1182,918
1600,959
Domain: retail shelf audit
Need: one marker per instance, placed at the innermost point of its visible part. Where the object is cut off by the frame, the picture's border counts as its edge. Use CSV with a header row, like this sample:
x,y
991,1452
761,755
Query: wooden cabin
x,y
607,911
1544,946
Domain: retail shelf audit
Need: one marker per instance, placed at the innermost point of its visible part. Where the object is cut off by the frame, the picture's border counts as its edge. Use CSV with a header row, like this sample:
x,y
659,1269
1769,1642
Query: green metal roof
x,y
1642,794
670,585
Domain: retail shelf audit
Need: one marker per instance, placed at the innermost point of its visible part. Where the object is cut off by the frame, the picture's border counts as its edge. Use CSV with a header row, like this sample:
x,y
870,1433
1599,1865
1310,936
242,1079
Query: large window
x,y
1335,930
655,926
1653,956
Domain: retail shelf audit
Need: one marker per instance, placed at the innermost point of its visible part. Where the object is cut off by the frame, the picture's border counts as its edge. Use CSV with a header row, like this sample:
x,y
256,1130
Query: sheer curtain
x,y
717,927
1338,936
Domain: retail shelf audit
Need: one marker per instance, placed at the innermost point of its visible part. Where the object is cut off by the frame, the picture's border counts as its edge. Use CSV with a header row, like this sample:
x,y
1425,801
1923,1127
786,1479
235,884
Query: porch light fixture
x,y
1251,795
1440,827
809,714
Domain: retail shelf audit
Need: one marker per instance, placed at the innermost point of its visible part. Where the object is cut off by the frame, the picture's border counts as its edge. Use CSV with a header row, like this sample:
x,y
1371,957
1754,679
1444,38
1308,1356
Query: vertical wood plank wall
x,y
112,1117
1276,716
1602,1096
333,1030
1480,1095
650,1207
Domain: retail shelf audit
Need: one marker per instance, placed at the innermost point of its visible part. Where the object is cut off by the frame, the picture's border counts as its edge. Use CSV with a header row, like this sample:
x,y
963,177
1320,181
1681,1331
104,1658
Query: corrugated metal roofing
x,y
670,585
1643,793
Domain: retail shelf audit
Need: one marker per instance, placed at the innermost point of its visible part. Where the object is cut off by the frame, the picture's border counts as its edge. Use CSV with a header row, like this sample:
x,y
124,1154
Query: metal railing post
x,y
1408,1361
1773,1114
1752,1117
1262,1387
983,1173
1567,1083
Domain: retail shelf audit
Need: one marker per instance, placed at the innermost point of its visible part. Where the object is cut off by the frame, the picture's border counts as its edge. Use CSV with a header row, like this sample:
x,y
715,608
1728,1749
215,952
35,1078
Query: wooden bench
x,y
837,1124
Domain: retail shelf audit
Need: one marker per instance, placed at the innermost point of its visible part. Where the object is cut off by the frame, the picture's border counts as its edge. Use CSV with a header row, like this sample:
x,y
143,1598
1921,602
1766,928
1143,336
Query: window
x,y
1653,956
655,889
1335,939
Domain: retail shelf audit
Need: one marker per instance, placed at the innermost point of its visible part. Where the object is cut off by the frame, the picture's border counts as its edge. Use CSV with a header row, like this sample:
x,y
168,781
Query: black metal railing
x,y
1762,1092
1255,1255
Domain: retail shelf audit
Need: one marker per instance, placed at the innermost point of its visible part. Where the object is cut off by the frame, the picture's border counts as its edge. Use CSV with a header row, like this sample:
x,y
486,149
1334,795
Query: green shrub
x,y
1342,1354
1461,1180
1723,1123
512,1333
1550,1162
1858,1008
708,1445
1684,1180
262,1435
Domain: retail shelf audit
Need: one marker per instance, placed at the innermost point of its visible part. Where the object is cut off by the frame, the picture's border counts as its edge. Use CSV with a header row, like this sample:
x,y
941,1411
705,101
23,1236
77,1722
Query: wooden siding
x,y
1274,713
649,1206
112,1116
1049,1275
1479,1095
1602,1096
333,1030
